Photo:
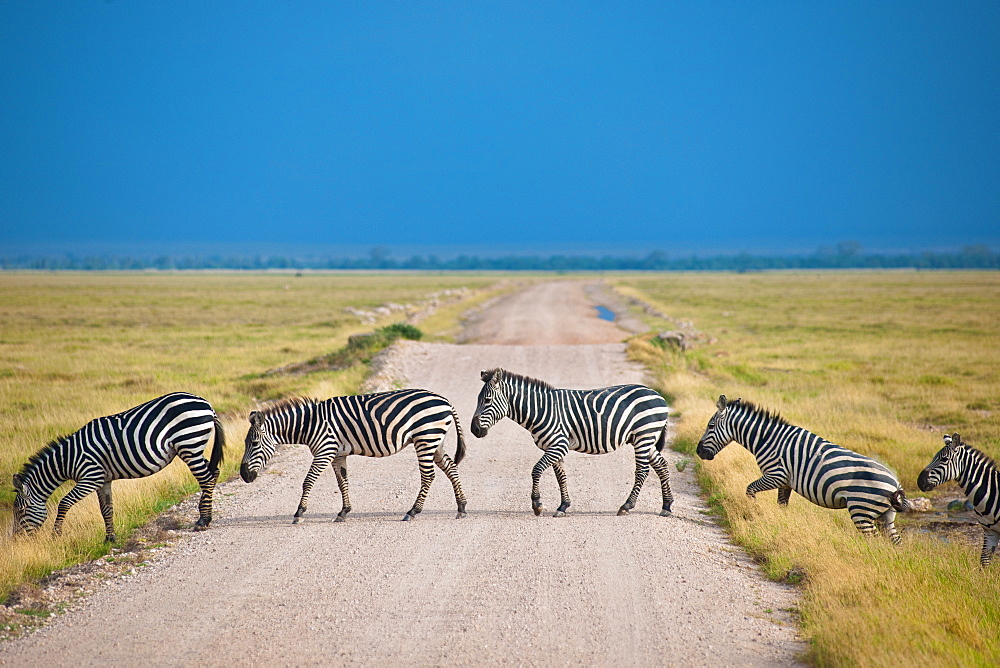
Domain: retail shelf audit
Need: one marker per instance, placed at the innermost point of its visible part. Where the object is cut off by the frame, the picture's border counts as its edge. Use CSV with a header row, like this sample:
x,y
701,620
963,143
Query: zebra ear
x,y
957,440
17,482
485,375
255,417
722,402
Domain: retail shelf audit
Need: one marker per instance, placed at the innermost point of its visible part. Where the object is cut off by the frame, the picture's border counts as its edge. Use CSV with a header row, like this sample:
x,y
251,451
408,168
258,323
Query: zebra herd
x,y
144,439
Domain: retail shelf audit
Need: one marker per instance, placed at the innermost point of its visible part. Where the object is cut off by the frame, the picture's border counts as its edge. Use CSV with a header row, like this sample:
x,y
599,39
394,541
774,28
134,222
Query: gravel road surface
x,y
498,587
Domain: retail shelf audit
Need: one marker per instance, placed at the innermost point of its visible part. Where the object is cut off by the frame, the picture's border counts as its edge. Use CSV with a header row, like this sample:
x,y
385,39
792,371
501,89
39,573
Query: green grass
x,y
74,346
883,363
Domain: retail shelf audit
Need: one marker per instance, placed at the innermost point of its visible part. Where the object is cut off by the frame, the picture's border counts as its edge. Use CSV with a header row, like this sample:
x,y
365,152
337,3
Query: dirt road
x,y
499,587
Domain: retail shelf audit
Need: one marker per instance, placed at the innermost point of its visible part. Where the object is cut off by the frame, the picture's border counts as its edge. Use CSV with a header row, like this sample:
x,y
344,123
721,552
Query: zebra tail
x,y
218,448
460,449
662,442
898,501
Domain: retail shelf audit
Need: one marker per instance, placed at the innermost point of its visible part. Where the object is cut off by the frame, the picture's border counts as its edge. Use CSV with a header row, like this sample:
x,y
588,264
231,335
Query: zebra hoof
x,y
665,513
559,513
538,510
199,527
297,520
339,518
622,511
460,515
110,539
407,517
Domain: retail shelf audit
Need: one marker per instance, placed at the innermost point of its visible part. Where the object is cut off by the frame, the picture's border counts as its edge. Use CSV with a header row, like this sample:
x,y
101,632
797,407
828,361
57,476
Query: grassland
x,y
883,363
74,346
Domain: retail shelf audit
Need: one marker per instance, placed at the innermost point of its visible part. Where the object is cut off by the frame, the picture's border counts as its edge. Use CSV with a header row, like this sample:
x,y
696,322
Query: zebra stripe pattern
x,y
372,425
593,422
978,477
792,458
133,444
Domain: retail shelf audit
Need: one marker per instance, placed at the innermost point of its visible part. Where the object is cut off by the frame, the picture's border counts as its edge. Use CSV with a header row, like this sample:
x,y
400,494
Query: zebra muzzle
x,y
705,453
247,474
477,429
924,483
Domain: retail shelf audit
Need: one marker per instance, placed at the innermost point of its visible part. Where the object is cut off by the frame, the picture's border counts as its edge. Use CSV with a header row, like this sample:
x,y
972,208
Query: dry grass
x,y
74,346
882,363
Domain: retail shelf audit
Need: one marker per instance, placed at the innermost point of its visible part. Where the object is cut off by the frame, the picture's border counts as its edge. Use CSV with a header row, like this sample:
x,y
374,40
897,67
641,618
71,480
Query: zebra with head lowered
x,y
792,458
373,425
133,444
978,476
593,422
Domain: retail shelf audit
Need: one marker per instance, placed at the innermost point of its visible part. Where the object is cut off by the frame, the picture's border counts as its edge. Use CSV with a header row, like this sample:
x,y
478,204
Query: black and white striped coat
x,y
133,444
792,458
372,425
593,422
977,474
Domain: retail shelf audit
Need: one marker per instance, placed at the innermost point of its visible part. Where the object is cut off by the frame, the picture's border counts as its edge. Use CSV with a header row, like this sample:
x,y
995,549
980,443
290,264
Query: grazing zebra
x,y
373,425
593,422
978,476
133,444
792,458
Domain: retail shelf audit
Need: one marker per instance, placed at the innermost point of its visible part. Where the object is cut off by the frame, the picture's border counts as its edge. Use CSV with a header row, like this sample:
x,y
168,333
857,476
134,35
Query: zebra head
x,y
719,432
493,404
30,510
945,466
259,448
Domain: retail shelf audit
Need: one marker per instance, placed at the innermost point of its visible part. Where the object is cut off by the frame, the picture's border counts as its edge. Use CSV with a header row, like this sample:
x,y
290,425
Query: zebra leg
x,y
81,489
764,483
659,465
317,467
559,469
107,511
641,471
425,460
784,494
206,481
990,540
887,522
340,468
553,454
445,463
862,520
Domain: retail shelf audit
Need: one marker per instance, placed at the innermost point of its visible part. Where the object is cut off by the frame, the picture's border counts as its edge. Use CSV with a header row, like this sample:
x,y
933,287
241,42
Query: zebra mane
x,y
283,405
751,407
527,380
37,458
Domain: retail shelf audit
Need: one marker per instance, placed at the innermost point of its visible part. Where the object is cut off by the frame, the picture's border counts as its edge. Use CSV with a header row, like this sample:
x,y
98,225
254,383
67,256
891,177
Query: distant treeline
x,y
847,255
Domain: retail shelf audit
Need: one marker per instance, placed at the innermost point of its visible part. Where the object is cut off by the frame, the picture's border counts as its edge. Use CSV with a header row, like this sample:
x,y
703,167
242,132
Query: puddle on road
x,y
604,313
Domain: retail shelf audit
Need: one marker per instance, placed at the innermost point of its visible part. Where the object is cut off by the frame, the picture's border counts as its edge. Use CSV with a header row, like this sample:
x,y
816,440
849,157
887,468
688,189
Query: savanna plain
x,y
881,362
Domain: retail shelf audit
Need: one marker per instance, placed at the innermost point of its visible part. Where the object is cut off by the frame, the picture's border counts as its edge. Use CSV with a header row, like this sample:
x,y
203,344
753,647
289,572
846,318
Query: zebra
x,y
593,422
373,425
133,444
978,476
792,458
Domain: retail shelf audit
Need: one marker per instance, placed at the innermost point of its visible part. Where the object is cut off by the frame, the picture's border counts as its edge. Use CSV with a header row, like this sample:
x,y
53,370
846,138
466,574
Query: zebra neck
x,y
523,405
296,425
753,432
50,471
975,472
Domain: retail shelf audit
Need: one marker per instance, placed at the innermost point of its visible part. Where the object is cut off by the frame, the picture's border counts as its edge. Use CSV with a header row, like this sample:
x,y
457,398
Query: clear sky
x,y
691,124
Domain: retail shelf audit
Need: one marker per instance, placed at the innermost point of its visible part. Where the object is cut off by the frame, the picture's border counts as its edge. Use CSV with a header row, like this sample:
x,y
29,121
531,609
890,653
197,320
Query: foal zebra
x,y
978,476
593,422
133,444
373,425
791,458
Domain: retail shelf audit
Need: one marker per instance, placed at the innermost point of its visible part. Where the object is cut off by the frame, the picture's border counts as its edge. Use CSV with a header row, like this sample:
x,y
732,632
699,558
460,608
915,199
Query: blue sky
x,y
712,125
